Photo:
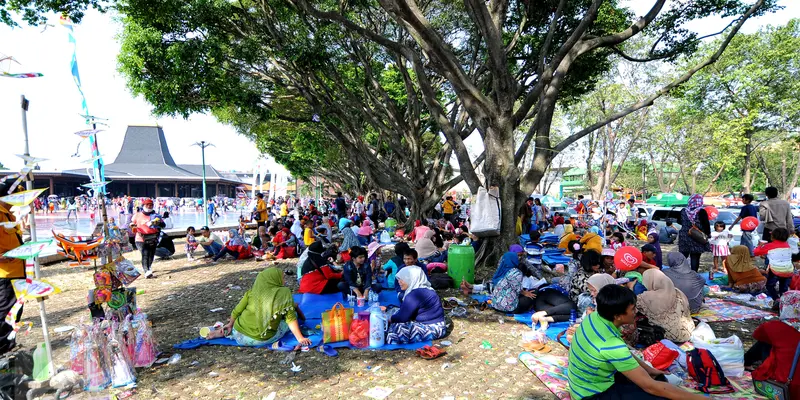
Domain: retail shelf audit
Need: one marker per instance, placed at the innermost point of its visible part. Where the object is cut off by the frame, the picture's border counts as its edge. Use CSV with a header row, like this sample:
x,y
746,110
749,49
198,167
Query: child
x,y
780,268
191,243
617,240
719,246
641,230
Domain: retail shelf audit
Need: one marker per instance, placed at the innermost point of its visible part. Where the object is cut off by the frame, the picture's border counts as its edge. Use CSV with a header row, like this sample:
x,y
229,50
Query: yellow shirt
x,y
261,207
308,237
10,239
284,210
448,207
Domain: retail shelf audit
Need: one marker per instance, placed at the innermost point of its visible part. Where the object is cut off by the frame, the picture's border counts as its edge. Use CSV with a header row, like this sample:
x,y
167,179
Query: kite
x,y
26,173
77,248
96,185
30,159
28,250
27,289
22,75
88,132
22,198
9,225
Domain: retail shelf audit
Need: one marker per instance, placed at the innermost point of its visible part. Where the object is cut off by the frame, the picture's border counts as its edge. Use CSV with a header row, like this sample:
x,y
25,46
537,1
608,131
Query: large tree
x,y
490,67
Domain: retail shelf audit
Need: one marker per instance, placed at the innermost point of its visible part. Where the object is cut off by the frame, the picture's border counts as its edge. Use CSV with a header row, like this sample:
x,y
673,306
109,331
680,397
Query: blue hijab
x,y
509,261
342,223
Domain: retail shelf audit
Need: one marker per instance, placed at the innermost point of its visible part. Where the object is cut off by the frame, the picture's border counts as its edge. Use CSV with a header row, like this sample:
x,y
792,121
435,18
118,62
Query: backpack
x,y
704,368
647,333
441,281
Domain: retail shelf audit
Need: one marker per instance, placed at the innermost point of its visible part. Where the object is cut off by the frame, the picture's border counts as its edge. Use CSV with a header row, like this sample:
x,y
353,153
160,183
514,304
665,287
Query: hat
x,y
365,230
205,228
608,252
147,201
372,248
515,248
649,247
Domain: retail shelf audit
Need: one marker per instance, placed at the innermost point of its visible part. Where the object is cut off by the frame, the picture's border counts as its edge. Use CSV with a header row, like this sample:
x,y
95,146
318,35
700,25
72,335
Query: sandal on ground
x,y
328,350
430,352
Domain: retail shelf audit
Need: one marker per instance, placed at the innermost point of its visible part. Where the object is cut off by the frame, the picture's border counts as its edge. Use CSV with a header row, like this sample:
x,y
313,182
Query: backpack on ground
x,y
441,281
704,368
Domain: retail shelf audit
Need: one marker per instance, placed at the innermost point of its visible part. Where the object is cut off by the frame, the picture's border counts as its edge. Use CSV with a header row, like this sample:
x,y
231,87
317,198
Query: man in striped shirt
x,y
600,364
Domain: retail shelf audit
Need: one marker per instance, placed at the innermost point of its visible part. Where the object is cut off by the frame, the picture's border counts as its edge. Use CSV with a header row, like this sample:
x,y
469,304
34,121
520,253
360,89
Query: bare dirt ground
x,y
179,301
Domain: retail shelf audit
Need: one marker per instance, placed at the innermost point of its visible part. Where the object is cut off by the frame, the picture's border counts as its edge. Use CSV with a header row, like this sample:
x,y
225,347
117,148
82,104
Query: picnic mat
x,y
552,330
312,306
552,371
717,310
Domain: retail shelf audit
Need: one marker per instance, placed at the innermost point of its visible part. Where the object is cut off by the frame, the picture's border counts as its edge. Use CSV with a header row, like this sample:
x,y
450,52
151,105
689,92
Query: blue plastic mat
x,y
312,306
553,259
289,342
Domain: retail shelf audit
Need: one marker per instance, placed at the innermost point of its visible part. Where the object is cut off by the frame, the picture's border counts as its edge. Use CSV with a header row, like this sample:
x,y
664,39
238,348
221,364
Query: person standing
x,y
147,228
261,210
749,238
10,268
341,205
775,213
72,208
449,209
694,216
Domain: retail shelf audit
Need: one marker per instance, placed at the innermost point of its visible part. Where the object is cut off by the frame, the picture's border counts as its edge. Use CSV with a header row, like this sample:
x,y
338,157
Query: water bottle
x,y
41,367
573,315
377,326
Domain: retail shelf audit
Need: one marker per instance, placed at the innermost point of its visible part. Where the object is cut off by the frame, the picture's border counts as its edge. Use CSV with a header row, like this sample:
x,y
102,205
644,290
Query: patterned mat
x,y
552,371
716,310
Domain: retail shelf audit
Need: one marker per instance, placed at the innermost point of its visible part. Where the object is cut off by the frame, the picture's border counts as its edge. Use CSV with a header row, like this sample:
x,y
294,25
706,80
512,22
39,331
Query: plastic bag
x,y
790,305
77,349
359,333
485,214
96,365
146,349
729,352
122,372
703,332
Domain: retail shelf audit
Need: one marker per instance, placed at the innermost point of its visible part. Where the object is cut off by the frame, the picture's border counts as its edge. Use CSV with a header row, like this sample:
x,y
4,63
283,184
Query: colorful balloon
x,y
712,212
627,258
749,223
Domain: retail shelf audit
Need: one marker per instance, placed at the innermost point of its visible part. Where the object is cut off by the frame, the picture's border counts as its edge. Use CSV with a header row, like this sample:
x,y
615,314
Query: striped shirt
x,y
596,354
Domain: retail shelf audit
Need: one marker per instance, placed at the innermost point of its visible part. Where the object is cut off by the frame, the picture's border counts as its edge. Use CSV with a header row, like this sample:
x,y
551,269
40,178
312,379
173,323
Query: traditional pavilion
x,y
143,168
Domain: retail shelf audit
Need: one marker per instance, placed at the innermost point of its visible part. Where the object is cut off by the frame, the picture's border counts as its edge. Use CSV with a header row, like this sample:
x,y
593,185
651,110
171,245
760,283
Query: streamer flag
x,y
98,173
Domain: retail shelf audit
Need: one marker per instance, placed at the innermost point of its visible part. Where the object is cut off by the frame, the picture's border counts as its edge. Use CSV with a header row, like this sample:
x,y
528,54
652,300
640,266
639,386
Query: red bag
x,y
794,284
359,333
704,368
660,356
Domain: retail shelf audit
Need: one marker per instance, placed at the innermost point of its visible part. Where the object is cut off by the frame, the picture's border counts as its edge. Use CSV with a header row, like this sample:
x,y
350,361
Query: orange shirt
x,y
10,268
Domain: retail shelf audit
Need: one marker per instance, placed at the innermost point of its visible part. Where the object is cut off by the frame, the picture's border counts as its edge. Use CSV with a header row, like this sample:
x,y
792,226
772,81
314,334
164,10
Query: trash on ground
x,y
218,309
379,392
213,374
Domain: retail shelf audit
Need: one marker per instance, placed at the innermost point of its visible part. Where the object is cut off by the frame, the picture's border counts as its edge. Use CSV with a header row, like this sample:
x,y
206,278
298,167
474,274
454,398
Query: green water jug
x,y
391,223
461,264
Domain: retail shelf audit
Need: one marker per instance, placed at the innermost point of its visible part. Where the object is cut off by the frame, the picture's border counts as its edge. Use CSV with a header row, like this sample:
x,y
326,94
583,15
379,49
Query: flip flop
x,y
449,304
430,352
328,350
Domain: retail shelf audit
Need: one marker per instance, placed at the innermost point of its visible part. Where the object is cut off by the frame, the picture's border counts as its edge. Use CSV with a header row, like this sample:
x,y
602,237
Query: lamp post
x,y
203,144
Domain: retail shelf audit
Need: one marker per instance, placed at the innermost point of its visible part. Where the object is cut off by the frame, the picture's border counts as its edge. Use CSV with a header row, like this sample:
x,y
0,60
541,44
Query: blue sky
x,y
55,102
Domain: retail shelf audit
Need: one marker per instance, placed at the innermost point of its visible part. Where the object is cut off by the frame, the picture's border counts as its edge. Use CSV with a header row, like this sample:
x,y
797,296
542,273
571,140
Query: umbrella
x,y
668,199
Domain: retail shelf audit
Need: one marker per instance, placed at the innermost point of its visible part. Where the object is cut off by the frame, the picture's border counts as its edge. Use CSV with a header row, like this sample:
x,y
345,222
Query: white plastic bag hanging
x,y
485,217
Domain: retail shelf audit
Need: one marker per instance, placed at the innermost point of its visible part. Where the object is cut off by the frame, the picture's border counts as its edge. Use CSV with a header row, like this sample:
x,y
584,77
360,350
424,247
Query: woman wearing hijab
x,y
425,247
265,313
395,264
652,238
420,227
586,301
775,348
641,230
317,275
420,317
343,223
568,236
507,293
236,247
589,264
592,241
349,238
665,306
694,215
685,280
743,276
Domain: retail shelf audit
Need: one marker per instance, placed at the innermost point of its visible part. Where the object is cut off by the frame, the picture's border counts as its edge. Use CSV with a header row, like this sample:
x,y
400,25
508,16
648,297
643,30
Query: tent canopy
x,y
668,199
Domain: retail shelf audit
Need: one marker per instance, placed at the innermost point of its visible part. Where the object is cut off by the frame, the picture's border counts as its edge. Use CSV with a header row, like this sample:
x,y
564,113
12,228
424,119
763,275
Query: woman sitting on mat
x,y
568,236
395,263
743,276
586,301
265,313
552,304
589,265
318,277
665,306
507,292
686,280
421,316
773,354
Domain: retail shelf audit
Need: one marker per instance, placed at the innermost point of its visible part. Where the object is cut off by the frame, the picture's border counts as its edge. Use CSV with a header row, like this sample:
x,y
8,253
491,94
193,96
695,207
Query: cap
x,y
147,201
205,228
649,247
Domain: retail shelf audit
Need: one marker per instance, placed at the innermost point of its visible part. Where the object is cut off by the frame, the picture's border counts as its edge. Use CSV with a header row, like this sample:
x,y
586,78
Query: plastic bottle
x,y
41,368
377,326
573,315
176,358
